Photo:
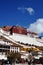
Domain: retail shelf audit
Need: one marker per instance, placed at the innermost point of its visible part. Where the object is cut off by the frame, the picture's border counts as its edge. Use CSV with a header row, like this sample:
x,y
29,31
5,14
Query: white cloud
x,y
19,8
29,10
37,26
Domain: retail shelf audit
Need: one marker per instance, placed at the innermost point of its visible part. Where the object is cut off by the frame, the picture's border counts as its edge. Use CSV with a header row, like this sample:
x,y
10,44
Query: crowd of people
x,y
32,60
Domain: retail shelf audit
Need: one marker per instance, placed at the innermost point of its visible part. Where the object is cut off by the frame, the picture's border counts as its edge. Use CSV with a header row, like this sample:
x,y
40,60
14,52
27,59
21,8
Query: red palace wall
x,y
20,30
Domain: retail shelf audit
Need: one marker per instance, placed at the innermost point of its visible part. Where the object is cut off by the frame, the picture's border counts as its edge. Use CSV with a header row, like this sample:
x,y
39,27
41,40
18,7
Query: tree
x,y
13,56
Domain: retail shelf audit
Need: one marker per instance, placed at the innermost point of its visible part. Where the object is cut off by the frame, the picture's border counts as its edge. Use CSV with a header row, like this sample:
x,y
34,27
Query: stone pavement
x,y
27,64
21,64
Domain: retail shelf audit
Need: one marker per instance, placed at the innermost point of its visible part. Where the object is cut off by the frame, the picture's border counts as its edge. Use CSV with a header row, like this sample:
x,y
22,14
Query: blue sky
x,y
26,13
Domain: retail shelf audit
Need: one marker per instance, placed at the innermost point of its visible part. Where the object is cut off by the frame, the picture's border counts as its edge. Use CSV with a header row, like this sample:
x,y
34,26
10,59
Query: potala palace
x,y
18,39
